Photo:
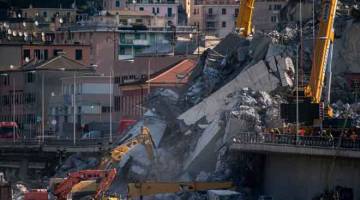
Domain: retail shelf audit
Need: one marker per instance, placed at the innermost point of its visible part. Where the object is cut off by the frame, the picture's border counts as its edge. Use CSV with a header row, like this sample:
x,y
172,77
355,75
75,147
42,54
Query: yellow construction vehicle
x,y
244,19
312,106
142,189
139,190
118,152
84,187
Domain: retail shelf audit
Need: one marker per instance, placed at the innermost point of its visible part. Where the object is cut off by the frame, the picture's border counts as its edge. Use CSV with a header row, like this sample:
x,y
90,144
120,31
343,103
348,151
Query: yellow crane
x,y
322,55
244,19
312,105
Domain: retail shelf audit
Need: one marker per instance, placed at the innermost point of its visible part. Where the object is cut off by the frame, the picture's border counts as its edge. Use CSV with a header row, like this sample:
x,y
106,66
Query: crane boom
x,y
324,41
244,18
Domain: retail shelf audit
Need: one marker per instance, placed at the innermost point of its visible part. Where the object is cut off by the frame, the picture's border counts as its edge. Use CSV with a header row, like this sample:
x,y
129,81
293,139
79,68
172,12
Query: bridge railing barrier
x,y
292,140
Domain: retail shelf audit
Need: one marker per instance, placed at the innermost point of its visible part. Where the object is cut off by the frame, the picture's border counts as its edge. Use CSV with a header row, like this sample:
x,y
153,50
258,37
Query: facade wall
x,y
10,55
102,46
266,15
49,14
69,50
295,177
167,9
92,102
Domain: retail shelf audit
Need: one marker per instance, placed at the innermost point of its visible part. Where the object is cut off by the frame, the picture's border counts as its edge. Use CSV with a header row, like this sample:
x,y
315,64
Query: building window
x,y
4,80
273,19
277,7
210,11
117,4
141,8
153,10
137,36
169,12
30,77
56,52
223,11
46,54
236,12
37,54
105,109
44,14
78,54
26,54
157,10
223,24
121,51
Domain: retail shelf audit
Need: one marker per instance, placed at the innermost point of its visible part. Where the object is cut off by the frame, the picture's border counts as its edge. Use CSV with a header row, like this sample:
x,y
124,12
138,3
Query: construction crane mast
x,y
322,54
311,107
244,19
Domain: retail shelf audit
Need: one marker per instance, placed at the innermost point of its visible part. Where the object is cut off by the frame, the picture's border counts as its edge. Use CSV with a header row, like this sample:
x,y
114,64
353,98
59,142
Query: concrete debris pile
x,y
260,64
347,111
76,162
244,110
19,191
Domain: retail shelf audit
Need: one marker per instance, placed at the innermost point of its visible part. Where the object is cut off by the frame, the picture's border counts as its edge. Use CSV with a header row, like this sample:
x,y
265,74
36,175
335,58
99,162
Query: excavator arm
x,y
244,19
118,152
136,190
65,187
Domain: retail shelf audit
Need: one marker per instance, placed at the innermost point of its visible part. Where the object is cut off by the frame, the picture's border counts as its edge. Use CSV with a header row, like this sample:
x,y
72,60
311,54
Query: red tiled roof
x,y
179,74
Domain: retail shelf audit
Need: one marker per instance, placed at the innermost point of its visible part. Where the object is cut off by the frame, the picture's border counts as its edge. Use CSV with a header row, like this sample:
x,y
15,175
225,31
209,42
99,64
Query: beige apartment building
x,y
218,17
167,9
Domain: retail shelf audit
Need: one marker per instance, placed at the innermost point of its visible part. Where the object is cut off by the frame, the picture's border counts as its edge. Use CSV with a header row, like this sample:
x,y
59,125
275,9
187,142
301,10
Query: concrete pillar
x,y
23,169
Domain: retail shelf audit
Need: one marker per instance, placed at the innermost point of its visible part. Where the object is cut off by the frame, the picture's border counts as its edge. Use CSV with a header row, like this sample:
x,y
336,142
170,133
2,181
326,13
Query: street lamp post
x,y
74,111
13,103
42,108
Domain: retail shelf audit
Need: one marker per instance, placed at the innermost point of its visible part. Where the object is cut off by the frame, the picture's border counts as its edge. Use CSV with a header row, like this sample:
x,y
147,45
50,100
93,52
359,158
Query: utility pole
x,y
74,111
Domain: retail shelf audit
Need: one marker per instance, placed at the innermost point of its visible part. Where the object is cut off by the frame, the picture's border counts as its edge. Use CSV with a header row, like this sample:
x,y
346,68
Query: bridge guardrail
x,y
56,142
293,140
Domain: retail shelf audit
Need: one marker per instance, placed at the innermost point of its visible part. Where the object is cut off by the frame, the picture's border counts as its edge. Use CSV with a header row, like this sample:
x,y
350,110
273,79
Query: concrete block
x,y
256,77
204,154
223,195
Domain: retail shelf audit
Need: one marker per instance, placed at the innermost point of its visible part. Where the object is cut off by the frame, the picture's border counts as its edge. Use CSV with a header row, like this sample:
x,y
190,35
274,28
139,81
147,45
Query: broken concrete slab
x,y
256,77
205,151
223,195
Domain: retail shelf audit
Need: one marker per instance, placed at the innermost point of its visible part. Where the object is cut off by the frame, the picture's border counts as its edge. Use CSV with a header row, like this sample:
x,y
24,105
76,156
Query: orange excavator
x,y
105,173
106,177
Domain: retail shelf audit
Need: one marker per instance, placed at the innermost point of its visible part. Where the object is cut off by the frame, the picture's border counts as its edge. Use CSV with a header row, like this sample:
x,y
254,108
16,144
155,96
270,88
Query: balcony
x,y
170,16
141,42
125,57
134,42
211,17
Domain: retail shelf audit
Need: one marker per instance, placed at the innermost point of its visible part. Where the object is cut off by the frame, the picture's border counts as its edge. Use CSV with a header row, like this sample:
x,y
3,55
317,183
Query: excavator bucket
x,y
149,143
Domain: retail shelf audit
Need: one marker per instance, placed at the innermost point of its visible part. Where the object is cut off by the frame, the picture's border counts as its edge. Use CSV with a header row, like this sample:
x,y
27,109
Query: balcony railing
x,y
141,42
304,141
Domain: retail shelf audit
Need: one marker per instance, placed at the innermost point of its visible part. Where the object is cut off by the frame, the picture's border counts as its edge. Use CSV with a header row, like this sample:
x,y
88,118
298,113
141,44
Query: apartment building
x,y
218,17
168,9
68,15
